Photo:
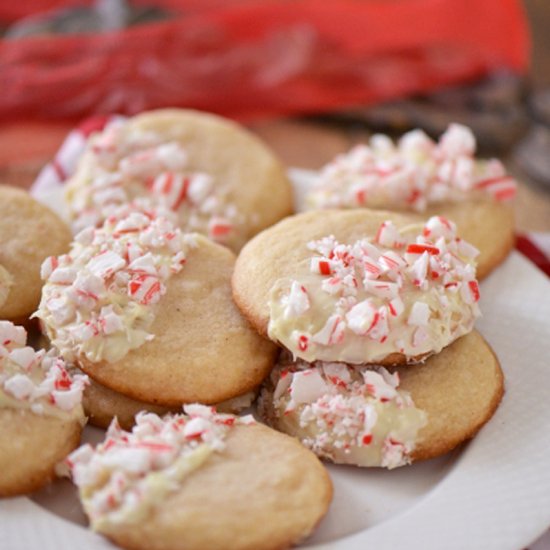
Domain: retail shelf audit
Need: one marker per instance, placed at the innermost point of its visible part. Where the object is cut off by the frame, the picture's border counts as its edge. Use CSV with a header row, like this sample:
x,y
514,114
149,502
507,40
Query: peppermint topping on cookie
x,y
347,414
411,291
98,299
121,165
36,380
130,472
411,175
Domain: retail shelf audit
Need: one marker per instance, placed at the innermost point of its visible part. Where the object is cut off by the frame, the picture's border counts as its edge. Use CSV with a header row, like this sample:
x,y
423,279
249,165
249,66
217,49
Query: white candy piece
x,y
361,317
307,386
419,315
297,302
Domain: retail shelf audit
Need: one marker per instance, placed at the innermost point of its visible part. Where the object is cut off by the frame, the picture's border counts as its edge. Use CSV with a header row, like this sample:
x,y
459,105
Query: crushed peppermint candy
x,y
97,299
350,415
36,380
411,291
412,174
127,474
122,164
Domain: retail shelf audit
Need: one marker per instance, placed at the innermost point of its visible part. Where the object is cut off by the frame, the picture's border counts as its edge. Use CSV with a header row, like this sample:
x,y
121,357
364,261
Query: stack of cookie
x,y
141,302
359,324
375,309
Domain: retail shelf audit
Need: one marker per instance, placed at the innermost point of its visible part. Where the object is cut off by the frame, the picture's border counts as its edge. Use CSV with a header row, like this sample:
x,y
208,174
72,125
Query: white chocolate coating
x,y
97,299
36,380
410,292
348,415
121,479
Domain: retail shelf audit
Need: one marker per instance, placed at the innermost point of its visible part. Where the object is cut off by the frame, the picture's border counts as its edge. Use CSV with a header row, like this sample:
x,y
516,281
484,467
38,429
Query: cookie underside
x,y
459,388
102,404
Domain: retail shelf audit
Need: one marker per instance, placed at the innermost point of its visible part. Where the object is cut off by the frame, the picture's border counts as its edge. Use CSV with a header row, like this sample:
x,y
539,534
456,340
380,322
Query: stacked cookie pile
x,y
141,301
358,323
375,309
376,314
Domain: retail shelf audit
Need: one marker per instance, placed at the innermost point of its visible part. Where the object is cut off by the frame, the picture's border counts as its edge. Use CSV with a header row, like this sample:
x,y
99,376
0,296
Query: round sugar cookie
x,y
41,414
218,178
203,349
226,496
366,417
30,448
314,284
29,233
101,405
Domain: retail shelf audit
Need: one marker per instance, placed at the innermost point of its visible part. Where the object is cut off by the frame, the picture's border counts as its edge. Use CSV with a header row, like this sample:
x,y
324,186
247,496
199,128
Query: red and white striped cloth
x,y
535,246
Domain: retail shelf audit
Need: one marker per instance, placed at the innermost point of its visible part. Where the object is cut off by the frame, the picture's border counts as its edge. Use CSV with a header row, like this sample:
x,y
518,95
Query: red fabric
x,y
12,11
93,124
531,251
249,58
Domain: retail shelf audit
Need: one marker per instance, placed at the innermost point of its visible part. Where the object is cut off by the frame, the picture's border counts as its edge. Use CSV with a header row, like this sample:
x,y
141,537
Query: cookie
x,y
147,311
419,175
212,175
29,233
362,287
386,417
198,480
41,415
101,405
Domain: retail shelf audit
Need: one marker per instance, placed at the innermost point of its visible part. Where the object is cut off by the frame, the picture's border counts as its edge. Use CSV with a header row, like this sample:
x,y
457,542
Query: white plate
x,y
493,493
